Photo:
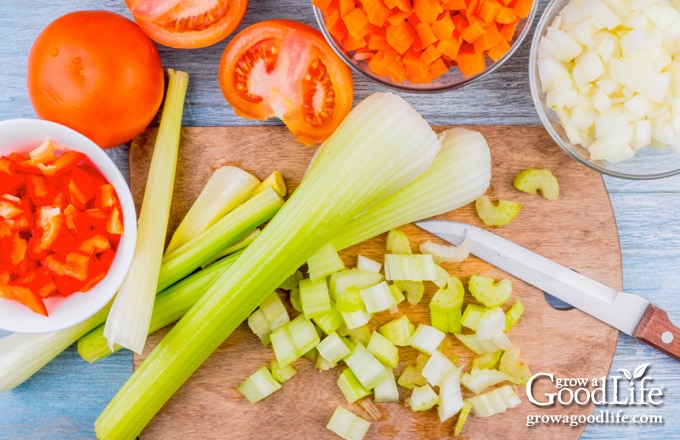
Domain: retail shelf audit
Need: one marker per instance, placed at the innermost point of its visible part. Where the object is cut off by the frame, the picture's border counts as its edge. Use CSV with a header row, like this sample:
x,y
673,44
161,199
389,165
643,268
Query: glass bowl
x,y
647,163
452,79
22,135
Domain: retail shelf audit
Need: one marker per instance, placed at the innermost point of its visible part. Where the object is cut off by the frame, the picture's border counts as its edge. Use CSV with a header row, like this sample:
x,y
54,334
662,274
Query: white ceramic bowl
x,y
22,135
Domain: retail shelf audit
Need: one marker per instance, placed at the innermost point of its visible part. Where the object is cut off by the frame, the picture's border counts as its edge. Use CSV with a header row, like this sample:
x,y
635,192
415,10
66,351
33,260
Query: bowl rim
x,y
429,87
21,134
547,15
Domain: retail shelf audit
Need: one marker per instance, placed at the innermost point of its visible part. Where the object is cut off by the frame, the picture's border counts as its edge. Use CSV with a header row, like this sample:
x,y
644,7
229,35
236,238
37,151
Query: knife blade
x,y
629,313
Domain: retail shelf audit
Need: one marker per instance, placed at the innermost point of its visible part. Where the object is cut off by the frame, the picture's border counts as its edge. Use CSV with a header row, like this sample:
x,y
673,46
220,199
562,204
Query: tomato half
x,y
286,69
98,73
188,24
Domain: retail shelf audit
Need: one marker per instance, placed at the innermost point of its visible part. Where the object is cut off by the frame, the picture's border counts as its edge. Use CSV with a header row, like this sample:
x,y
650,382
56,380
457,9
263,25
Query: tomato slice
x,y
188,24
286,69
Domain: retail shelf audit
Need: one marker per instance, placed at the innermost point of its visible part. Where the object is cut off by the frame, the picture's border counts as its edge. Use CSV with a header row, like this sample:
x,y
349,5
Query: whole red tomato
x,y
188,24
98,73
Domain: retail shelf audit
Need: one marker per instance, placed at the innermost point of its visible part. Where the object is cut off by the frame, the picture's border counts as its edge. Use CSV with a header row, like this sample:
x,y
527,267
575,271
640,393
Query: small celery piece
x,y
259,385
367,368
498,214
258,324
491,323
223,233
226,188
292,281
446,306
345,278
414,290
351,387
513,314
479,379
361,334
293,340
533,180
426,338
511,365
356,319
334,348
410,267
487,360
366,263
398,331
378,298
412,376
397,242
397,294
382,145
349,300
442,276
480,346
322,364
294,298
423,398
494,402
329,322
274,181
128,321
324,262
447,253
436,367
314,297
489,292
387,391
271,315
383,349
347,425
282,373
462,417
450,396
471,315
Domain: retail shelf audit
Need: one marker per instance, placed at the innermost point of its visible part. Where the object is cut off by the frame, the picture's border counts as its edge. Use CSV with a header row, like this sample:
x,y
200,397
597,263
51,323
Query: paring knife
x,y
629,313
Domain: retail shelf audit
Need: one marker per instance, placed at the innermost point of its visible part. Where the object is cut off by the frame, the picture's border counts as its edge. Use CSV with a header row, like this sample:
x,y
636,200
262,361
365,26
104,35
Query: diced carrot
x,y
443,28
488,10
454,5
506,15
472,32
430,55
335,25
322,4
427,10
404,5
490,38
357,23
438,68
508,30
416,70
425,34
470,62
400,36
522,7
345,7
394,66
398,17
496,52
377,41
449,47
352,44
376,11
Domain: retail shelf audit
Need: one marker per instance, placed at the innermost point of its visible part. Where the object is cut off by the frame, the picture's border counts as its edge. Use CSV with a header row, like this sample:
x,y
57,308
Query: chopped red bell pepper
x,y
63,164
80,187
25,296
50,221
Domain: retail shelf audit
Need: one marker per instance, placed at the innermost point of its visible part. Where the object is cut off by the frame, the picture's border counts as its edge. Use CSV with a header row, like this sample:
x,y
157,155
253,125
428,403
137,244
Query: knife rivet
x,y
666,337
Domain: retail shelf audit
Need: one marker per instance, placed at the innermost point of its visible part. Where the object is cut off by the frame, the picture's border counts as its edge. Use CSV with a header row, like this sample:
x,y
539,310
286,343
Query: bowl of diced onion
x,y
605,82
425,47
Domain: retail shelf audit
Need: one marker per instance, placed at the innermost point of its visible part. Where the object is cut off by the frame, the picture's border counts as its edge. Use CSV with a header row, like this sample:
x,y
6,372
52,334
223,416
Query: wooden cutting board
x,y
577,230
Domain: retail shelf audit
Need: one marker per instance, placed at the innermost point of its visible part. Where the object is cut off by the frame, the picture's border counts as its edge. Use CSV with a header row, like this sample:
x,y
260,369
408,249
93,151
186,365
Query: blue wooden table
x,y
63,400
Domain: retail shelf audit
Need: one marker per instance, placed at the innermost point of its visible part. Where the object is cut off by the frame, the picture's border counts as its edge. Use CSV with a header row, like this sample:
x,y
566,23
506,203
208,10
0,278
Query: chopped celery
x,y
489,292
487,360
314,297
479,379
533,180
491,323
447,253
334,348
436,367
274,181
412,376
494,402
423,398
446,306
397,294
513,314
226,188
259,385
293,339
345,278
367,368
324,262
472,315
258,324
442,276
397,242
377,298
462,417
223,233
450,396
322,364
351,387
498,214
386,391
366,263
414,290
329,322
292,281
349,300
356,319
398,331
294,298
510,364
128,321
383,349
426,338
410,267
347,425
480,346
360,334
282,373
271,315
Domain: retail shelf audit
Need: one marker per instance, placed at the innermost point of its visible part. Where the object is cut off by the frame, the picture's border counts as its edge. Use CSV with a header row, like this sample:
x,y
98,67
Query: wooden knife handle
x,y
658,331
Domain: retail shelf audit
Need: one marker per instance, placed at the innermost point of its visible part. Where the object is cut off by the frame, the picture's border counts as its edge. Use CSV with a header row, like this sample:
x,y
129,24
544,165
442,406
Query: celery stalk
x,y
381,146
128,321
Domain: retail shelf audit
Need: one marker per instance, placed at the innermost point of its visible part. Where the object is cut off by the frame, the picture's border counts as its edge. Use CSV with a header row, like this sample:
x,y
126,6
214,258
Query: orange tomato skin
x,y
98,73
286,69
171,23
